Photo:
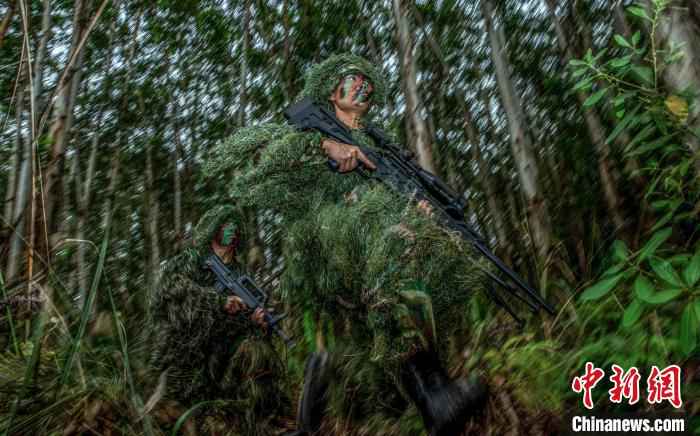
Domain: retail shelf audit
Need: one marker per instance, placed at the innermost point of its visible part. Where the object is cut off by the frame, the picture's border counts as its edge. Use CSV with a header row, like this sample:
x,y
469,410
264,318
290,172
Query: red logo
x,y
665,385
587,382
626,385
661,385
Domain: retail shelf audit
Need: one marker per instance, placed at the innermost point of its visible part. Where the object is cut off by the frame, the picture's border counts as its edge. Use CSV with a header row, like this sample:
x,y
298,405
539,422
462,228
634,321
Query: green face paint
x,y
228,234
359,83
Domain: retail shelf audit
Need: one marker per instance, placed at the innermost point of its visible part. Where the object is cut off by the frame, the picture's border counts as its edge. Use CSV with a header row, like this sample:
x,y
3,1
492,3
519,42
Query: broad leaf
x,y
632,313
620,251
664,296
613,270
625,123
689,330
601,288
620,62
691,273
656,240
636,37
638,12
665,271
583,84
622,42
595,98
643,289
644,73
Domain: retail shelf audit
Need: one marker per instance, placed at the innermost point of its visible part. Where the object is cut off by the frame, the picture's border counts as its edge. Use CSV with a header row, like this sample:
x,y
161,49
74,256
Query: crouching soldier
x,y
207,345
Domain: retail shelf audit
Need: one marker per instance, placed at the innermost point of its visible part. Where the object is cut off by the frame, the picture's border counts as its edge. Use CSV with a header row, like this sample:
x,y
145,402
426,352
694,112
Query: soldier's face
x,y
353,93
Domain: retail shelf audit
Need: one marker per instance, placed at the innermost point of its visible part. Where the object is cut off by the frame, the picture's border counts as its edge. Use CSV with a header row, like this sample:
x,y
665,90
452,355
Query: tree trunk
x,y
6,20
61,125
39,61
151,197
679,27
595,131
520,140
418,131
15,162
177,184
287,73
22,193
243,91
621,25
373,48
486,182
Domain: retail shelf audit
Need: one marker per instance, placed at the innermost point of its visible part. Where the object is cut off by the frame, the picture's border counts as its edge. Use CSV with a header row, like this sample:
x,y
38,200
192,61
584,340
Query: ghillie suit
x,y
392,280
201,352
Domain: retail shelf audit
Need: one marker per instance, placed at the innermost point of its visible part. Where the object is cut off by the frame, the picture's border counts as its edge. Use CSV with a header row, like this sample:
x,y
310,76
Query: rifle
x,y
396,169
242,286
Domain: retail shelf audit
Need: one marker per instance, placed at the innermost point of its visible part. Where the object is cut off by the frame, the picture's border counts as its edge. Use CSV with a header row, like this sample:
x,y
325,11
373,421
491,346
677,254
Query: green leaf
x,y
620,251
643,134
600,54
656,240
697,309
189,412
584,84
579,72
689,330
664,220
680,259
622,125
691,273
622,42
665,271
620,62
576,63
632,313
664,296
601,288
636,37
644,73
613,270
638,12
643,288
595,98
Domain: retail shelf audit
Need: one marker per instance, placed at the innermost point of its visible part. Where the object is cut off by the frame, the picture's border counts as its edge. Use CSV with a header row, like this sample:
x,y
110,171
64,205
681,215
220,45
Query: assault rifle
x,y
396,169
242,286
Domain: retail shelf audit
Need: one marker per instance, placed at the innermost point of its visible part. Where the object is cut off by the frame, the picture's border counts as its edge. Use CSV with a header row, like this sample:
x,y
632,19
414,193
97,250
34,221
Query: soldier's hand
x,y
425,207
347,156
258,317
234,305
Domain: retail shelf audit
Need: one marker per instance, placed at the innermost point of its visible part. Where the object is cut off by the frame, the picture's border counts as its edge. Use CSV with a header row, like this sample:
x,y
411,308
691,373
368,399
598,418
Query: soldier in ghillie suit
x,y
207,346
394,282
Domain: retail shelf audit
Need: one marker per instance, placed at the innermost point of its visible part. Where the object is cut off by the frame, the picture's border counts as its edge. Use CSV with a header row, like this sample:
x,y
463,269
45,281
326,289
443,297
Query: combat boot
x,y
444,404
313,401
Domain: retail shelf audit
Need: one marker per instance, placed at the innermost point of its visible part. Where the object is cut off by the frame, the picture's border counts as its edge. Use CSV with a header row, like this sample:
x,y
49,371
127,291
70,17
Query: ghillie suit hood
x,y
322,79
208,226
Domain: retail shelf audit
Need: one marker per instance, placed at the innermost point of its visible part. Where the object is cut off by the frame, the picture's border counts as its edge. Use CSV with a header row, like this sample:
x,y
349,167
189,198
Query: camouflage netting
x,y
352,247
208,354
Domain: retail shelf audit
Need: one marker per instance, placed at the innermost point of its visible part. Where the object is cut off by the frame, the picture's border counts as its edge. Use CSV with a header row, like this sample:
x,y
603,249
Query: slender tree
x,y
418,131
520,139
